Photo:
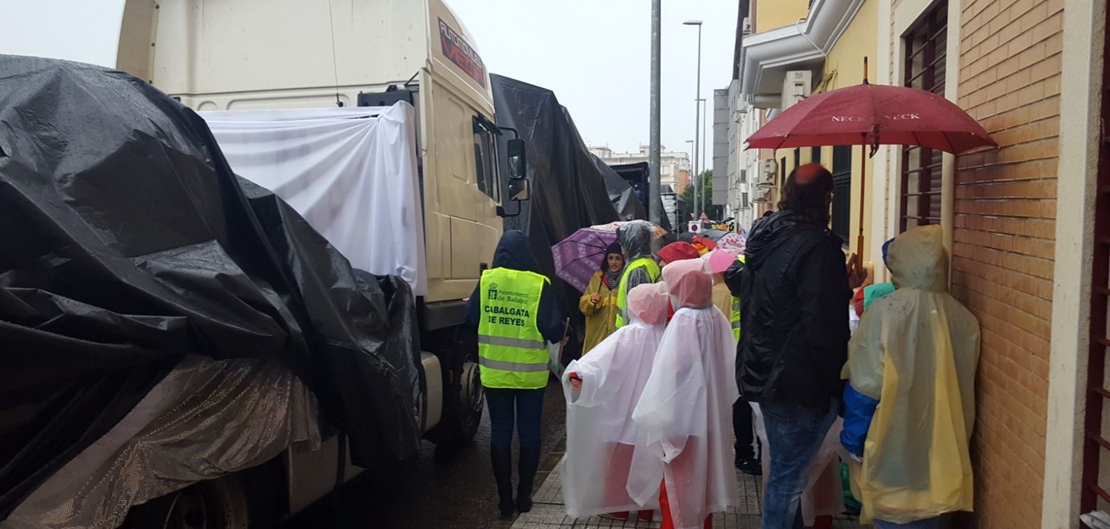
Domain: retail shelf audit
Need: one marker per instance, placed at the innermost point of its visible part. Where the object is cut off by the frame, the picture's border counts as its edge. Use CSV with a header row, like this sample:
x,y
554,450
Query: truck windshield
x,y
485,161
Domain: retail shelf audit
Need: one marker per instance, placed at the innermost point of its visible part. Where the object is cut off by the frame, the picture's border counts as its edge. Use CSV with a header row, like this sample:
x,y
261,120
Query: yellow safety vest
x,y
512,353
736,310
622,294
736,318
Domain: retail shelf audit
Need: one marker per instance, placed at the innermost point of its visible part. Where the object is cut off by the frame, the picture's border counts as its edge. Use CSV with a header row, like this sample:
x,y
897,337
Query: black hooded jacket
x,y
793,290
513,253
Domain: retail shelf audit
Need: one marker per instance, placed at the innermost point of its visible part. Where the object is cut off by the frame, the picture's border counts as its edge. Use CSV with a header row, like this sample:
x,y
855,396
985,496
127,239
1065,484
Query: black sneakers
x,y
751,467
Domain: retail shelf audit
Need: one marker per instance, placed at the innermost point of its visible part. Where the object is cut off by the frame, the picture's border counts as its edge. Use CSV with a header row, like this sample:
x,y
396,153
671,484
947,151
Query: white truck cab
x,y
285,54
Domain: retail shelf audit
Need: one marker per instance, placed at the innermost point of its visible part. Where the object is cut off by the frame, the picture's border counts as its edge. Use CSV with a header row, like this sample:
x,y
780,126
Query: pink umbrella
x,y
720,260
733,243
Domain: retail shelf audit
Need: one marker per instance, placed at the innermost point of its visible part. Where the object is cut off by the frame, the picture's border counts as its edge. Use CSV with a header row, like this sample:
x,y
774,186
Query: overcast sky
x,y
596,57
594,54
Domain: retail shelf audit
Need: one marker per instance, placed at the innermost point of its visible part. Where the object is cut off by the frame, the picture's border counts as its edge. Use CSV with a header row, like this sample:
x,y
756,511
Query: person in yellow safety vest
x,y
735,316
747,444
515,313
635,240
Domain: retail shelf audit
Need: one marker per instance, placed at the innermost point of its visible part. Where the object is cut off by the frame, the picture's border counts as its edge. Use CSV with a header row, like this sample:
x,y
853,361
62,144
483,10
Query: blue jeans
x,y
794,435
528,404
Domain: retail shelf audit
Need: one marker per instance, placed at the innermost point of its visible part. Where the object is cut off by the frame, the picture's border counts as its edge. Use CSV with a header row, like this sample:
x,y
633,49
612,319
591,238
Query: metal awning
x,y
767,56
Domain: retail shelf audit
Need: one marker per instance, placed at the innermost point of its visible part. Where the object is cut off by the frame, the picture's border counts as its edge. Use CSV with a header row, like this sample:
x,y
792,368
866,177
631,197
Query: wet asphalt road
x,y
442,490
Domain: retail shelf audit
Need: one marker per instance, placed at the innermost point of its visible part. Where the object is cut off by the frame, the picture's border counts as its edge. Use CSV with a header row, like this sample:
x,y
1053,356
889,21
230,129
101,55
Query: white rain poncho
x,y
686,406
601,437
916,352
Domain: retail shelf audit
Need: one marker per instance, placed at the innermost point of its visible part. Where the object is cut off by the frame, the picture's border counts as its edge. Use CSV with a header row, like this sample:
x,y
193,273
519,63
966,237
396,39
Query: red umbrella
x,y
874,115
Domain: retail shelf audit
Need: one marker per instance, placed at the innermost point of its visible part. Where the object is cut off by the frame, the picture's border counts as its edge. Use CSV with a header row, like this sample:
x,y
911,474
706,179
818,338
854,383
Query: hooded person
x,y
674,252
635,240
599,303
686,407
872,293
910,398
601,391
515,312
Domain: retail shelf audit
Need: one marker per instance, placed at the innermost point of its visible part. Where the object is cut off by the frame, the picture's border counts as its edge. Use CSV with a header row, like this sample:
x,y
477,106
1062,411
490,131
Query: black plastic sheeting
x,y
126,242
571,188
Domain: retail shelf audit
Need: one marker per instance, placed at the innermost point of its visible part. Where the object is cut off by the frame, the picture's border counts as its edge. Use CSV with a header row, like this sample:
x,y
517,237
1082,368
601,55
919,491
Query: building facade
x,y
674,167
1027,225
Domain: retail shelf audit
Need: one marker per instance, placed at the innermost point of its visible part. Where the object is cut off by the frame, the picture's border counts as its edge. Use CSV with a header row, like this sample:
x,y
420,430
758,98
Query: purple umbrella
x,y
578,257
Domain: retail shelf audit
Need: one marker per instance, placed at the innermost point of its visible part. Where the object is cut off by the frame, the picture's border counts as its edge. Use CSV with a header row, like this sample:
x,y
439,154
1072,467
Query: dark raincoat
x,y
793,290
513,253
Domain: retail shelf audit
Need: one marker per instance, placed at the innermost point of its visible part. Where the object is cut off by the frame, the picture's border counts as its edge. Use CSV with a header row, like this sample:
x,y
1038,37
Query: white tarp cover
x,y
207,418
350,172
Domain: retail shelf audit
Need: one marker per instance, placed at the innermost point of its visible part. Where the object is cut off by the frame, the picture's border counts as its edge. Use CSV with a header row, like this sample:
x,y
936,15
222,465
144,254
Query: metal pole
x,y
691,181
705,141
655,213
698,189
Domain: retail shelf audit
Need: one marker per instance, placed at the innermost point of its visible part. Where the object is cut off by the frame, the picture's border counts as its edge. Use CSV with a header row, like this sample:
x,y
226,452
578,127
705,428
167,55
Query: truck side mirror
x,y
520,189
518,162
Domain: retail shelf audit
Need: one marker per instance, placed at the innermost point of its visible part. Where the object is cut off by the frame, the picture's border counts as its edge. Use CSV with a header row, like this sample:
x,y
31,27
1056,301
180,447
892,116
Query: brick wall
x,y
1010,70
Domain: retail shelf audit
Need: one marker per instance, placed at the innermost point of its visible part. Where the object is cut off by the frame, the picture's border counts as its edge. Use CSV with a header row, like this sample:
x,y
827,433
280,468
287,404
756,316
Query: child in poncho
x,y
601,391
686,407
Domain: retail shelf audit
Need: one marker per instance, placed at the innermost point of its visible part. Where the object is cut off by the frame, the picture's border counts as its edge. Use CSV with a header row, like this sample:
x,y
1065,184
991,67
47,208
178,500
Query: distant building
x,y
674,167
733,166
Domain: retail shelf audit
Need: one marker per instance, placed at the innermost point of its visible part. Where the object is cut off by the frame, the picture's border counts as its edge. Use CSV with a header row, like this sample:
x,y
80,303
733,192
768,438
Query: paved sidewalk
x,y
550,513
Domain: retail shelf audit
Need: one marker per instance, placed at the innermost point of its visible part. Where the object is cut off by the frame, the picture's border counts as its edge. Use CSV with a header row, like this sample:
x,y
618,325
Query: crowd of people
x,y
782,365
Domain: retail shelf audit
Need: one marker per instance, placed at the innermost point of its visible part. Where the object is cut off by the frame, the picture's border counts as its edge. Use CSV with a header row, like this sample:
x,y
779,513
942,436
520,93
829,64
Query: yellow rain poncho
x,y
601,319
915,352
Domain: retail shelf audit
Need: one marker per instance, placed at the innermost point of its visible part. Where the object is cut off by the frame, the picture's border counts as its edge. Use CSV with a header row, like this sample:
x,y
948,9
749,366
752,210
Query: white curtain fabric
x,y
350,172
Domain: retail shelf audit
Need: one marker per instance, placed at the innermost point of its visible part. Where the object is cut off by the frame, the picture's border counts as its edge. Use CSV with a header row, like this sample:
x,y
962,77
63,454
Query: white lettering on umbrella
x,y
903,117
846,118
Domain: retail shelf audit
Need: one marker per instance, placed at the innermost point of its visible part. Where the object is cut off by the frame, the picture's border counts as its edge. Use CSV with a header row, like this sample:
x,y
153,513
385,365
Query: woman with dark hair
x,y
599,303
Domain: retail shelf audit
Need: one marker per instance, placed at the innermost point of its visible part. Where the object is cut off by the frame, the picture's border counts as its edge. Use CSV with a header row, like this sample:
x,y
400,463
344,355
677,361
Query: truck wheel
x,y
215,504
463,413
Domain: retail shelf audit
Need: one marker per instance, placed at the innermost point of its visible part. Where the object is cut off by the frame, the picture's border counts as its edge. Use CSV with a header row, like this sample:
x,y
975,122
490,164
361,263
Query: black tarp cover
x,y
569,187
126,242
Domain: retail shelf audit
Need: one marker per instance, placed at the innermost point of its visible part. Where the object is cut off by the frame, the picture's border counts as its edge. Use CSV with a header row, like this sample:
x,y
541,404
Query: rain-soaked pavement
x,y
442,490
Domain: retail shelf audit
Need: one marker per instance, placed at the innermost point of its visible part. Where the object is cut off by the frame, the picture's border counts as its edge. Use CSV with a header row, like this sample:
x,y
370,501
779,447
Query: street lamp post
x,y
704,159
692,180
697,123
655,212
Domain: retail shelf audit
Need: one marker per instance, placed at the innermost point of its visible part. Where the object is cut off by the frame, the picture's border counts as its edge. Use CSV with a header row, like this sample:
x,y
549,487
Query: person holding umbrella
x,y
599,303
635,240
515,313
